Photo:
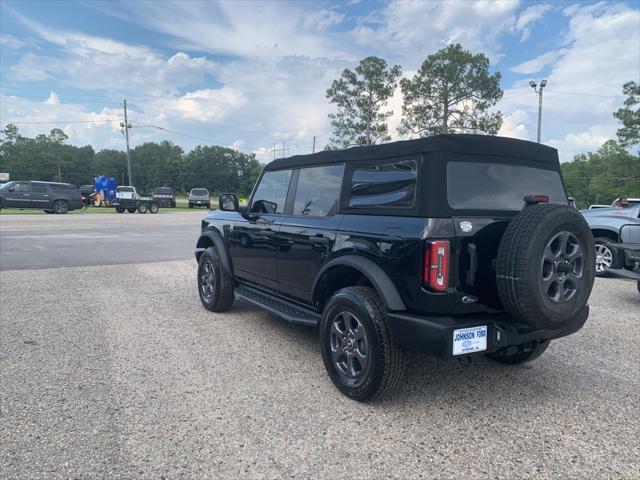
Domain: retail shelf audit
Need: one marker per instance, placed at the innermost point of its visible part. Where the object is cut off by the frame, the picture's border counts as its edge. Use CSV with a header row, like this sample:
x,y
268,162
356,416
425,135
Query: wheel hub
x,y
349,347
562,267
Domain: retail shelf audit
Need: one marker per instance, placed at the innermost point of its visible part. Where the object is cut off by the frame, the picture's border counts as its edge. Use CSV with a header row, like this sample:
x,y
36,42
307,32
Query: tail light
x,y
435,274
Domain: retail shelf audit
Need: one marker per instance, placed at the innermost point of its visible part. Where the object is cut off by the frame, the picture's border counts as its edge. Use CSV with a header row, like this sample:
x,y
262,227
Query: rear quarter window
x,y
499,186
383,185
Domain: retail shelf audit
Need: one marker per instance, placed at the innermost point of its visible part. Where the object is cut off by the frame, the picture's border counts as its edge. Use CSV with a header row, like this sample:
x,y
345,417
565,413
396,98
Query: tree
x,y
360,96
629,134
602,176
452,91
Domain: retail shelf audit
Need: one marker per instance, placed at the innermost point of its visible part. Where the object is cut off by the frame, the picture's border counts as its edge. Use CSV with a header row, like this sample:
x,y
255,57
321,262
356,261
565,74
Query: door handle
x,y
320,240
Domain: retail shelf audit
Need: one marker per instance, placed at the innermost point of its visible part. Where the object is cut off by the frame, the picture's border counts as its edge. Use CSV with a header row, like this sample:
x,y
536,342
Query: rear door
x,y
19,195
485,194
308,230
40,197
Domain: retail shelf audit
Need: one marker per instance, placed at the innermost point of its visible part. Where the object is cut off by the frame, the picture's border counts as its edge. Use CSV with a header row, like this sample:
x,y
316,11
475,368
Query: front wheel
x,y
359,352
520,354
605,256
60,206
214,285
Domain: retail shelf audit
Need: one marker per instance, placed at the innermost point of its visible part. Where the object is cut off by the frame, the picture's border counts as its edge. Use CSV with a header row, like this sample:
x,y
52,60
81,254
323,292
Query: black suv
x,y
164,197
457,245
52,197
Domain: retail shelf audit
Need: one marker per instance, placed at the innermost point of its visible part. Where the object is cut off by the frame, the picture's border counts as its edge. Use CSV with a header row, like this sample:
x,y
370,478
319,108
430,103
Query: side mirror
x,y
228,202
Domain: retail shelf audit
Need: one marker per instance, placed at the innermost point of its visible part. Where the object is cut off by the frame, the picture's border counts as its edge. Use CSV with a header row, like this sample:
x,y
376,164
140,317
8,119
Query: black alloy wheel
x,y
562,267
60,206
349,347
215,286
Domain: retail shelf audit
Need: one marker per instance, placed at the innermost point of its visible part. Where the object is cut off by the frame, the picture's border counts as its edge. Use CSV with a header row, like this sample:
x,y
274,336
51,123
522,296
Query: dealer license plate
x,y
469,340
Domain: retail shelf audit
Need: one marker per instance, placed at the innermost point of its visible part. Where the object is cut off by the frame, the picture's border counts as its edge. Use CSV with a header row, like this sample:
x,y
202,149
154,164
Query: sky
x,y
253,74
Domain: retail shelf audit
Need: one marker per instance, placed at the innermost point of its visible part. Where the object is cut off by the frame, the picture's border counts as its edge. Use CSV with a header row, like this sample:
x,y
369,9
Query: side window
x,y
22,187
318,191
38,188
386,185
271,194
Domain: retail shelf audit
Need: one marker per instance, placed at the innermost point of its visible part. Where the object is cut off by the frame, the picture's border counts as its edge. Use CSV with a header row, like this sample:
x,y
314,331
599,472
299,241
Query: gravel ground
x,y
134,379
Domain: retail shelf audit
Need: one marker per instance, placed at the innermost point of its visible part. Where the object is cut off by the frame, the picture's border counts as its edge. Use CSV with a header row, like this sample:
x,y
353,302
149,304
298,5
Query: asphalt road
x,y
47,241
132,378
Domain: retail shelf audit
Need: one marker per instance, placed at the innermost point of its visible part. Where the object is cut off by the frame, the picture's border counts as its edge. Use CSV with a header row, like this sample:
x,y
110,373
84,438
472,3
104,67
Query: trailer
x,y
128,200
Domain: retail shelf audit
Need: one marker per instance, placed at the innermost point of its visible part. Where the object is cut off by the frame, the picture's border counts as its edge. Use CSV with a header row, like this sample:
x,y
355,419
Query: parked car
x,y
455,245
628,249
605,224
164,196
199,197
52,197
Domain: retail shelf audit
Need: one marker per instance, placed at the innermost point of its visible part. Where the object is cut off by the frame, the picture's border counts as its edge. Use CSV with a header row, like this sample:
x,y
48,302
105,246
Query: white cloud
x,y
10,41
528,17
408,31
536,64
514,125
579,142
206,105
53,99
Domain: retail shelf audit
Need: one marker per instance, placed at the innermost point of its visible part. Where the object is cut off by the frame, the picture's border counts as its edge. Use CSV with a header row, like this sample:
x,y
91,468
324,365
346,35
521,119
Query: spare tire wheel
x,y
545,265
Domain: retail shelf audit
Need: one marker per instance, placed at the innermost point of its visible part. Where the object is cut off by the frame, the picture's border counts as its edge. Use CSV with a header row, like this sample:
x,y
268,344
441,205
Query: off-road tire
x,y
221,288
521,353
131,210
525,287
60,207
386,359
605,242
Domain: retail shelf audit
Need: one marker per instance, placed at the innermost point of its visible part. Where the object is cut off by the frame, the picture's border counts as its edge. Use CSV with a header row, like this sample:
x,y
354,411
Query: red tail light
x,y
436,265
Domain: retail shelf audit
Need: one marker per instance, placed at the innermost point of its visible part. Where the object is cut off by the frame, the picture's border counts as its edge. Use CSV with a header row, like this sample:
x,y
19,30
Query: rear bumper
x,y
434,334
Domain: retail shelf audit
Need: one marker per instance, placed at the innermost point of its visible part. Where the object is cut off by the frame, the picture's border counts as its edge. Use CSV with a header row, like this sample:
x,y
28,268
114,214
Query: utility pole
x,y
126,126
314,144
543,84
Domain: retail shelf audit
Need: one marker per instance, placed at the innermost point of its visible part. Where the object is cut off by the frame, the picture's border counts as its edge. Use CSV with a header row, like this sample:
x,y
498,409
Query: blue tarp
x,y
107,185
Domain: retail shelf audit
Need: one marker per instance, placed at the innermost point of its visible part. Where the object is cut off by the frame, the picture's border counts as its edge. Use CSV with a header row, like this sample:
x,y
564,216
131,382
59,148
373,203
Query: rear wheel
x,y
60,206
214,285
190,205
48,211
360,355
606,256
119,209
142,208
131,210
520,354
153,207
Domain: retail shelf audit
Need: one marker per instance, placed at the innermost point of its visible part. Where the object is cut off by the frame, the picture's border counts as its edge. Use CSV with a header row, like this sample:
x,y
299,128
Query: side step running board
x,y
279,307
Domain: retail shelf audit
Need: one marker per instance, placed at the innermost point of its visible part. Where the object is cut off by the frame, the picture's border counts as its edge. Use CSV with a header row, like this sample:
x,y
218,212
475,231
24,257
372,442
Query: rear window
x,y
498,186
199,191
384,185
125,189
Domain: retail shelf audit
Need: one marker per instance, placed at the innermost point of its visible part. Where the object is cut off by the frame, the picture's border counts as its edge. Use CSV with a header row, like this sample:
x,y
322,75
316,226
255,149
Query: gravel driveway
x,y
118,372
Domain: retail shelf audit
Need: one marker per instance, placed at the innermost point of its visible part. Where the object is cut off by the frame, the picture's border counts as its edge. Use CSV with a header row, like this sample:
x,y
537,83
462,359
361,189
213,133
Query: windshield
x,y
499,186
6,185
199,191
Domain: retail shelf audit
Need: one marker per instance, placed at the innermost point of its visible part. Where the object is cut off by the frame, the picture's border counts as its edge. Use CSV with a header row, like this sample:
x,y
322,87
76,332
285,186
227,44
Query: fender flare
x,y
374,273
215,237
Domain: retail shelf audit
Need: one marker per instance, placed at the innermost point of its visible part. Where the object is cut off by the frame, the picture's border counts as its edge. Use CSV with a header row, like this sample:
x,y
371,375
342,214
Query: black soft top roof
x,y
469,144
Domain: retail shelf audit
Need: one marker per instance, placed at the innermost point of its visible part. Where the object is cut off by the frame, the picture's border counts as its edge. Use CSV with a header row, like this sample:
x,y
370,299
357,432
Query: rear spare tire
x,y
545,265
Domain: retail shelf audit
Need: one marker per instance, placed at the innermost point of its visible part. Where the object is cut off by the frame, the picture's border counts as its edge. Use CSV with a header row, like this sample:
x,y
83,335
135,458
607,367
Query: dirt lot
x,y
131,378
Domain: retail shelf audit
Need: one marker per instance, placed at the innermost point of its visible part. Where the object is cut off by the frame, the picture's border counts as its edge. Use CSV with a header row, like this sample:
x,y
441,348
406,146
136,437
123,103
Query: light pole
x,y
543,84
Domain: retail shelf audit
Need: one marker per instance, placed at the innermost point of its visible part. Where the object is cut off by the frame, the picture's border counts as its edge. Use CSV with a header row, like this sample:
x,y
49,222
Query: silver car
x,y
199,197
605,224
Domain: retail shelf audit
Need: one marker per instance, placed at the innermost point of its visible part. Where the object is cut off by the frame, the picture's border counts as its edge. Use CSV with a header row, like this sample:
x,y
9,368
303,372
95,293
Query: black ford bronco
x,y
457,245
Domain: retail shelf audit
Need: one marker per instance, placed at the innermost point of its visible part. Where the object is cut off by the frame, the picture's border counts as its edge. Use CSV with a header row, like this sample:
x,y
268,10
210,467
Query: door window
x,y
22,187
318,191
271,194
38,188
